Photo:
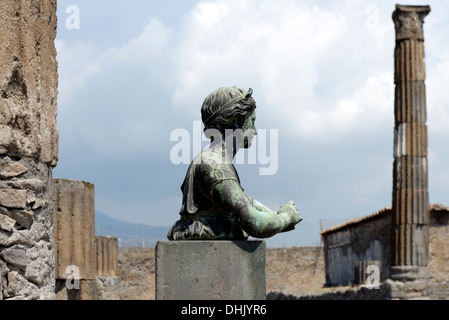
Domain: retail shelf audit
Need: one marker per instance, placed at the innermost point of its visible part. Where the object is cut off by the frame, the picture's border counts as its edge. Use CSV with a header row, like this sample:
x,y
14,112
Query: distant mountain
x,y
141,235
127,231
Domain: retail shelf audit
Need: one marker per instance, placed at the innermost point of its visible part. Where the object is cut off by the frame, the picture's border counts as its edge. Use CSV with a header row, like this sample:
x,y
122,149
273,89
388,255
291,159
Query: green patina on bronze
x,y
214,205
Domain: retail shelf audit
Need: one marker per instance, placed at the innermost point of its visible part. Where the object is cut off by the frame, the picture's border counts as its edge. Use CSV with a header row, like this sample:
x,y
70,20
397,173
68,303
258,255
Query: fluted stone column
x,y
410,234
74,237
107,255
28,147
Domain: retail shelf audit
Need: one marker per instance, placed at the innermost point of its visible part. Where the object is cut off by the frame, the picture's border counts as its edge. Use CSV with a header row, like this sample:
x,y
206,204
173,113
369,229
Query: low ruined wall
x,y
91,260
370,240
439,244
367,241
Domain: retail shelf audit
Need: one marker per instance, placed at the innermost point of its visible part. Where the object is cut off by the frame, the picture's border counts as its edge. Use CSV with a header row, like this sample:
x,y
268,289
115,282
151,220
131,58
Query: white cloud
x,y
235,41
149,45
371,106
278,50
120,119
80,61
438,97
76,64
320,70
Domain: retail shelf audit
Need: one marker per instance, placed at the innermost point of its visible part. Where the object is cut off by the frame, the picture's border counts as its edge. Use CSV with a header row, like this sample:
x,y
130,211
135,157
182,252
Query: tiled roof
x,y
434,207
356,221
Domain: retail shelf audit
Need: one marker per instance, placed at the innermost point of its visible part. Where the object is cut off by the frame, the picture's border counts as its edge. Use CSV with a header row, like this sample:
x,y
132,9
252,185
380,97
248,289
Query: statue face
x,y
249,130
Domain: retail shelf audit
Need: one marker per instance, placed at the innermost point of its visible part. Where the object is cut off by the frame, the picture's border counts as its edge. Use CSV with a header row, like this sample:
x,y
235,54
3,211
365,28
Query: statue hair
x,y
233,117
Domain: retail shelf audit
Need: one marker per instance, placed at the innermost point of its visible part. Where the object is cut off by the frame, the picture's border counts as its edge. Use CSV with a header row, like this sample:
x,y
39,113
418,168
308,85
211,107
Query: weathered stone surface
x,y
210,270
410,140
16,298
12,198
107,287
100,288
40,263
16,283
406,201
35,202
409,21
11,169
107,255
6,223
363,239
409,66
29,184
439,240
410,233
411,98
16,256
29,80
28,145
22,217
74,215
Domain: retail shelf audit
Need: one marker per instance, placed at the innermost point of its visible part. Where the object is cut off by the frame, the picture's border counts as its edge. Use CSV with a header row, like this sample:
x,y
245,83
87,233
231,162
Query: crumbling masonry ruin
x,y
28,147
91,260
31,202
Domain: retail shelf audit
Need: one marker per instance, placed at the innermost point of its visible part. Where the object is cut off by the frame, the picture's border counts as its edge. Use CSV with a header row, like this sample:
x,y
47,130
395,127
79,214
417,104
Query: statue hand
x,y
291,214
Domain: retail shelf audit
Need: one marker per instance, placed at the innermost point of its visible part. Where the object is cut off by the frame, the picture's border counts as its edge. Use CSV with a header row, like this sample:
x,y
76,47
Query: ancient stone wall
x,y
80,255
439,243
28,147
367,240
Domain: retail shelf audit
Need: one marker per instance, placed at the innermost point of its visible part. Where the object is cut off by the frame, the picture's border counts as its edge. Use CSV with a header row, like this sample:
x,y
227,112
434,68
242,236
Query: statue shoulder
x,y
212,168
208,159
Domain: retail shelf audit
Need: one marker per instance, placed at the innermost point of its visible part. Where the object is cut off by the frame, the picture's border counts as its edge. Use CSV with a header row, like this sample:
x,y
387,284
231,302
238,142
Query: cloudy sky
x,y
131,73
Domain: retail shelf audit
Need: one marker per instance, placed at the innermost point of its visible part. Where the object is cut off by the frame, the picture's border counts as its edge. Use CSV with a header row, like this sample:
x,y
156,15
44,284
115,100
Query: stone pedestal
x,y
210,270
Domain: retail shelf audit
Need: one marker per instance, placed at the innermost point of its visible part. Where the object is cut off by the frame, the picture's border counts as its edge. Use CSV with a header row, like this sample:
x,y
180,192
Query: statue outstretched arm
x,y
255,218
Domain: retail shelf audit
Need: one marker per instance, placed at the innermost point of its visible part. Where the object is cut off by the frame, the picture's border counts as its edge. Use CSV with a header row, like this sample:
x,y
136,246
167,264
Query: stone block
x,y
22,217
11,198
16,283
100,288
107,255
36,271
74,227
210,270
29,184
6,223
11,169
15,256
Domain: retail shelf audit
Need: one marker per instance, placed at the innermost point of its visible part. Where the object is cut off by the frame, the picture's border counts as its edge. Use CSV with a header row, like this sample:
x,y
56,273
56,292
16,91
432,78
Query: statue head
x,y
230,109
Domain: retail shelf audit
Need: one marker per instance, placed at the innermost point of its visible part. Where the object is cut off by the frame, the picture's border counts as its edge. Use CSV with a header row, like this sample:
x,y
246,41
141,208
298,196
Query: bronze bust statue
x,y
214,204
